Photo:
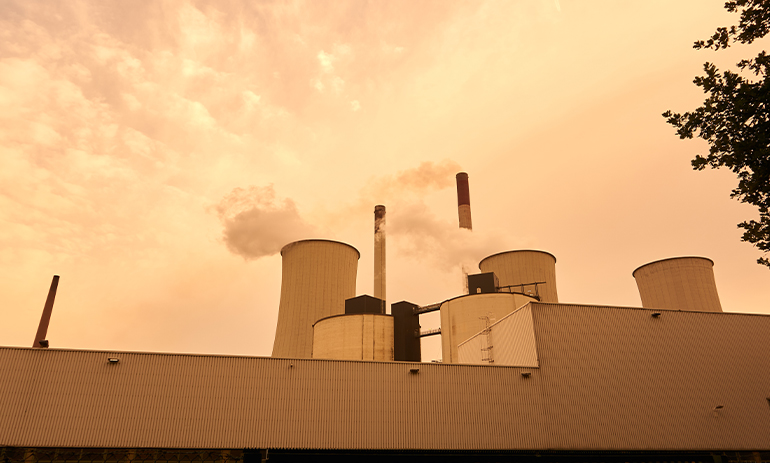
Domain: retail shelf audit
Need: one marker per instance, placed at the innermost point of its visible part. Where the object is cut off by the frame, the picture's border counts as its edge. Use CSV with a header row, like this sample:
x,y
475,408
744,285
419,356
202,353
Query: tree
x,y
734,118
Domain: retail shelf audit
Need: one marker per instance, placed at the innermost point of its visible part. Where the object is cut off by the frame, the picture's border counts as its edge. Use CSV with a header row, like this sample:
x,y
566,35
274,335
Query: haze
x,y
157,155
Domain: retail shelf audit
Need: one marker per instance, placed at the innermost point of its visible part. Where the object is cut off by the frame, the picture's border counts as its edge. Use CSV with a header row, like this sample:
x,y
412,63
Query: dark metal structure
x,y
482,283
364,304
406,324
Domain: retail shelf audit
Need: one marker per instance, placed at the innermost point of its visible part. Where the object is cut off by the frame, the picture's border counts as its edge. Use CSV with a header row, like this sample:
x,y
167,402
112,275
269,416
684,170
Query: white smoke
x,y
409,183
419,234
258,224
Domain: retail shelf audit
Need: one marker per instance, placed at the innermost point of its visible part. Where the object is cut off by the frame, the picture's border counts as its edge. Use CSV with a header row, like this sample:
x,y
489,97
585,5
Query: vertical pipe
x,y
464,215
379,252
42,328
464,201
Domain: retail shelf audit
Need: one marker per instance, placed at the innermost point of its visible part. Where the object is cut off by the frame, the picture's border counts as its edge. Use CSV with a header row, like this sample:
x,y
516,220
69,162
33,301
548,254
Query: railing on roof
x,y
510,289
422,334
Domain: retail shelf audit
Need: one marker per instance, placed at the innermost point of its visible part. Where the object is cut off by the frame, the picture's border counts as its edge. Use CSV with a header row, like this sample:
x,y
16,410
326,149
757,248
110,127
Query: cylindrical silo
x,y
354,337
680,283
317,277
522,268
464,316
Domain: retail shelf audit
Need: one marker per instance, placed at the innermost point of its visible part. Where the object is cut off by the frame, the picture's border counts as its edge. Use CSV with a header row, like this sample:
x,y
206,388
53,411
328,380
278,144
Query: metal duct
x,y
316,279
681,283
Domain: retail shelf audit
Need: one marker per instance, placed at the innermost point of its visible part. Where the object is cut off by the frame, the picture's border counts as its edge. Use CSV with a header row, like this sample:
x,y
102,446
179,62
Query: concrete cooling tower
x,y
523,267
680,283
317,277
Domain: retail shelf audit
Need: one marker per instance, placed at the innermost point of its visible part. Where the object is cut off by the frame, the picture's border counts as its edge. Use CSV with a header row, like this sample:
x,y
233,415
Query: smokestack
x,y
464,201
379,252
42,328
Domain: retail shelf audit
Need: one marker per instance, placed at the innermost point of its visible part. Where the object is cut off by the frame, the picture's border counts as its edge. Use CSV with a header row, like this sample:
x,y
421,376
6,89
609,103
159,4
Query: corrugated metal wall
x,y
624,377
462,317
510,341
609,379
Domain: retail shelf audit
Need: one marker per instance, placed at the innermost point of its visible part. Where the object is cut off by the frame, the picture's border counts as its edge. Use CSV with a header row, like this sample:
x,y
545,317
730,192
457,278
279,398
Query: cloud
x,y
258,224
355,105
326,61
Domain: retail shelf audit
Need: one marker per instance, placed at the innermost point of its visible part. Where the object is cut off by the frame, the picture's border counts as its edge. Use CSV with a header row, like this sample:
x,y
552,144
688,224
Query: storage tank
x,y
522,267
464,316
680,283
317,277
354,337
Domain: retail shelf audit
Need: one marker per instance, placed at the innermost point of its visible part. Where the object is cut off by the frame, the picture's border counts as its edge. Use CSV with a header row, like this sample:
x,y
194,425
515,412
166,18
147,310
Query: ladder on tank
x,y
486,352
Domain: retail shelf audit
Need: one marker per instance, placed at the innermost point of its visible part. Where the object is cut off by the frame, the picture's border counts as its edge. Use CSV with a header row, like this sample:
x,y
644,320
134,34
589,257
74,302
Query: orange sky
x,y
157,154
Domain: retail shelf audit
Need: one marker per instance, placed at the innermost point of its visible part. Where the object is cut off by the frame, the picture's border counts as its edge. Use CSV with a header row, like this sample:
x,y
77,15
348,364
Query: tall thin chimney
x,y
379,252
42,328
464,201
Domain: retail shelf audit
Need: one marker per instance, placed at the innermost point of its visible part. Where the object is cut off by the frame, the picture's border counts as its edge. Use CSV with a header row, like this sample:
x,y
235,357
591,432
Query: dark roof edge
x,y
671,258
516,250
321,240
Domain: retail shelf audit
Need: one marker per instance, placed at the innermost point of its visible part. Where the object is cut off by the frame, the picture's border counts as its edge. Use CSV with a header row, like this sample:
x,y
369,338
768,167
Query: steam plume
x,y
418,233
257,224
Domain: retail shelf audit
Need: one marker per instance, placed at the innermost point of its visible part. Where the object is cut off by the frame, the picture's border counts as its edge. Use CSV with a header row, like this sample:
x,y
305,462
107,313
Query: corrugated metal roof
x,y
609,379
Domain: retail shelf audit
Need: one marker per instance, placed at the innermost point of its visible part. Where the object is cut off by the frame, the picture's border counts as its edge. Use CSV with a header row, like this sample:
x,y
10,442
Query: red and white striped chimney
x,y
464,201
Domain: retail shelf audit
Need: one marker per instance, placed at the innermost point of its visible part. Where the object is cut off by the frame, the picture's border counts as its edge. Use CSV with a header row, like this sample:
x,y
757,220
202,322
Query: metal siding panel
x,y
609,379
622,379
512,339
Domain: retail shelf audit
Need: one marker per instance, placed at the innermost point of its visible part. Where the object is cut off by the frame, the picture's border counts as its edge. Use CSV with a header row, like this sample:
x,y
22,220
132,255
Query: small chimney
x,y
42,329
379,252
464,201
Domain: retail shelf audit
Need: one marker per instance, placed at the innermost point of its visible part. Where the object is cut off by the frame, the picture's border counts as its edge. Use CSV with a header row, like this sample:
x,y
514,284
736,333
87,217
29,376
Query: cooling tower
x,y
354,337
524,267
465,316
317,277
680,283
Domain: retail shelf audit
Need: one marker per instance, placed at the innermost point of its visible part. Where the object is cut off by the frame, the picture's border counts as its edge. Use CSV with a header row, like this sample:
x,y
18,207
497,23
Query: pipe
x,y
42,328
379,252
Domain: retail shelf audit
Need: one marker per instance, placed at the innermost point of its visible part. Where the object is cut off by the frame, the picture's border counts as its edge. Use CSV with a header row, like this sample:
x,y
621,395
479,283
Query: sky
x,y
158,155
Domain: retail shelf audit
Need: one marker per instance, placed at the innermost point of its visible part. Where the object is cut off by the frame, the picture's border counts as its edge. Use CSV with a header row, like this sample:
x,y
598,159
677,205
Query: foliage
x,y
734,118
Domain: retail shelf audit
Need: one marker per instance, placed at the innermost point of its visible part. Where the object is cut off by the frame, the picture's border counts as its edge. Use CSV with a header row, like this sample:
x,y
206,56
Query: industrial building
x,y
524,377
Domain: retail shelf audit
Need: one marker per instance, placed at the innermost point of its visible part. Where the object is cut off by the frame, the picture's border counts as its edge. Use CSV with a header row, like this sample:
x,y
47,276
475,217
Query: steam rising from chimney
x,y
257,224
379,252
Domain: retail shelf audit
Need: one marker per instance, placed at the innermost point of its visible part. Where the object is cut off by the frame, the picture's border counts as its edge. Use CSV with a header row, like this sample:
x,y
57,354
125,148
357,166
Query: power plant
x,y
523,376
